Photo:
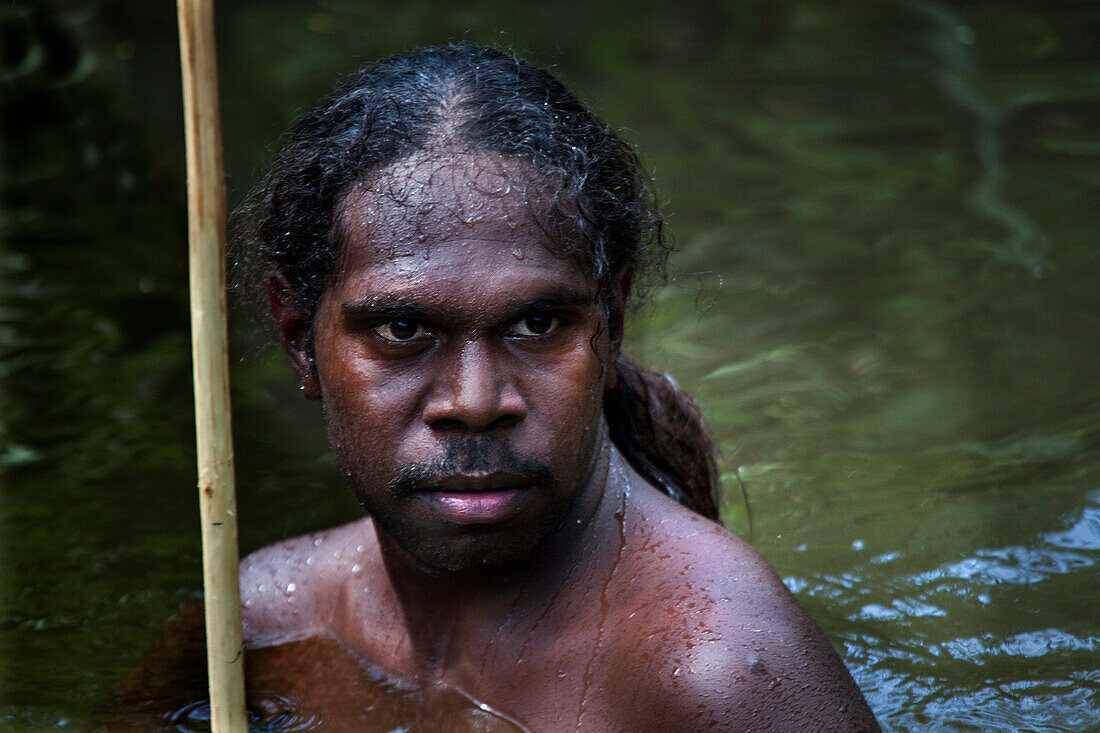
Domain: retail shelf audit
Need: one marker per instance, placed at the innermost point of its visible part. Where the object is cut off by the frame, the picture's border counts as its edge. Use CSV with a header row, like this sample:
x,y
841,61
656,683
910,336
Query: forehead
x,y
439,198
429,223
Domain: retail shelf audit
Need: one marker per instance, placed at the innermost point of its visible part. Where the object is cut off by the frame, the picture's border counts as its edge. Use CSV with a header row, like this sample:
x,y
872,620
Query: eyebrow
x,y
556,297
399,307
381,305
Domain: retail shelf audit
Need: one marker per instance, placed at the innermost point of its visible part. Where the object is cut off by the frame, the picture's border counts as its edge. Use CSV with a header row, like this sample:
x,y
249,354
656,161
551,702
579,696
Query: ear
x,y
620,289
294,333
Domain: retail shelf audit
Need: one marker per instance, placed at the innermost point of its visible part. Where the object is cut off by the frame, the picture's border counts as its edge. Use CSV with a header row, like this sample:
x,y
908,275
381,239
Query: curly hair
x,y
461,97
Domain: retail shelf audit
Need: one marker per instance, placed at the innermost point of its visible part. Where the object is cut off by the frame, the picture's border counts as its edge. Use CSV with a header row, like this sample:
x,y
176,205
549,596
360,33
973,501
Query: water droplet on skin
x,y
421,237
317,542
427,256
336,555
358,548
676,672
517,253
261,587
291,587
248,604
356,568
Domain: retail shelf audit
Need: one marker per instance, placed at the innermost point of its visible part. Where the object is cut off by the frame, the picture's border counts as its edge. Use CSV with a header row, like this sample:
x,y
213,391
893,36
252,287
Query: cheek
x,y
360,399
360,403
568,395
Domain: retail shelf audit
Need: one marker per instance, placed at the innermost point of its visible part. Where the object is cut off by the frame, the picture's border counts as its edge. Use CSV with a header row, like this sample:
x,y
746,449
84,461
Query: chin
x,y
472,547
450,561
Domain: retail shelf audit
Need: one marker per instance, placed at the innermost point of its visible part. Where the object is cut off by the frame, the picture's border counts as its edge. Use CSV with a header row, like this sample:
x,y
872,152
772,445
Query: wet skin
x,y
510,551
472,355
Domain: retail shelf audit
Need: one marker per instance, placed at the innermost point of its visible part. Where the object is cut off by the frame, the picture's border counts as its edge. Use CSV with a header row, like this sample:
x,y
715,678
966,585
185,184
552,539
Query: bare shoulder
x,y
726,644
290,588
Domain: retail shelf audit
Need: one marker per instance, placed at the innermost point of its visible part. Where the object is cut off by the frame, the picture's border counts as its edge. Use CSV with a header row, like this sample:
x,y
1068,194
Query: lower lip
x,y
475,507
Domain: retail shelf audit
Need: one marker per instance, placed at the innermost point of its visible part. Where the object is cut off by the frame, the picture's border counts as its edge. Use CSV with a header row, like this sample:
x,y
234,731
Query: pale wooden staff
x,y
209,351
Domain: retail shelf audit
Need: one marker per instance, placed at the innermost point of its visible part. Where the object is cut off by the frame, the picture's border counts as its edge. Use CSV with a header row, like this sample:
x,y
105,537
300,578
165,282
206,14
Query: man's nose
x,y
472,391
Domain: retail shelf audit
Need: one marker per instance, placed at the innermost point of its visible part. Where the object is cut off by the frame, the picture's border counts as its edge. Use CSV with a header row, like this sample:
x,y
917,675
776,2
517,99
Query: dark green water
x,y
887,298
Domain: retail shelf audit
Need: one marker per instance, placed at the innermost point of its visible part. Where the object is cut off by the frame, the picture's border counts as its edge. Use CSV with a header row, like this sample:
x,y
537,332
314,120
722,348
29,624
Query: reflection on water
x,y
270,713
902,659
885,298
311,684
952,41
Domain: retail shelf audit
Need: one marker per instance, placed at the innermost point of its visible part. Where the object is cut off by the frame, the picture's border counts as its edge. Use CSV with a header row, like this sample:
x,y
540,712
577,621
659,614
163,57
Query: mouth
x,y
477,499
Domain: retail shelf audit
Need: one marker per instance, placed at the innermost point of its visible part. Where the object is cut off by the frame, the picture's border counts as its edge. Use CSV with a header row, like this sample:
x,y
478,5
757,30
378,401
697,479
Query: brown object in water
x,y
312,684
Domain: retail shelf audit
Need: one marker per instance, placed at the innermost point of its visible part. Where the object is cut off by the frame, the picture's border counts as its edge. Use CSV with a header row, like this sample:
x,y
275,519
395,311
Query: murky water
x,y
312,684
886,297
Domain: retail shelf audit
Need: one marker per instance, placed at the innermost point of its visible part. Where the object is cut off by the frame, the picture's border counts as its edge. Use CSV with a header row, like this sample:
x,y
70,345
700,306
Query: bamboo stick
x,y
209,350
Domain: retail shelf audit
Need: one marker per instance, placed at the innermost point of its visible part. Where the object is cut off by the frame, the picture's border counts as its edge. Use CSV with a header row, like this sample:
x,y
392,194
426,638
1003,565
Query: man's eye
x,y
536,325
400,330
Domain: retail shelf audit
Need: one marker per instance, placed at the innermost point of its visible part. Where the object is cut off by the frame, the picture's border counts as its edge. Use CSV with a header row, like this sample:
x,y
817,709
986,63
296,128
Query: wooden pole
x,y
209,350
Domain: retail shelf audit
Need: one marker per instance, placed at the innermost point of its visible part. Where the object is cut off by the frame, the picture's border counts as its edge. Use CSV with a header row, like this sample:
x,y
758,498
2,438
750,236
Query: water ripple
x,y
908,633
265,713
1027,644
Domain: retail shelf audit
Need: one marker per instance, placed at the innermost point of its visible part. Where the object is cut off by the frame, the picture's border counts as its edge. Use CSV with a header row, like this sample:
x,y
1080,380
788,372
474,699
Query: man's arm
x,y
756,660
722,642
788,678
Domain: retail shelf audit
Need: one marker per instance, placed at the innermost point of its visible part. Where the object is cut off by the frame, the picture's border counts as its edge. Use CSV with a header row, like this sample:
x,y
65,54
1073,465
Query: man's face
x,y
461,361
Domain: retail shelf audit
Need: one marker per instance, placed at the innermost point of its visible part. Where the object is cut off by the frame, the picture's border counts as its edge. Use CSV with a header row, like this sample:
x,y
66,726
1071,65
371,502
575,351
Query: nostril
x,y
448,425
505,421
454,424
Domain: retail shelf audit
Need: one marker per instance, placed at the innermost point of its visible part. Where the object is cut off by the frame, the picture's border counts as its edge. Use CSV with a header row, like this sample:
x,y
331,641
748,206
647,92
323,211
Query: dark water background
x,y
887,298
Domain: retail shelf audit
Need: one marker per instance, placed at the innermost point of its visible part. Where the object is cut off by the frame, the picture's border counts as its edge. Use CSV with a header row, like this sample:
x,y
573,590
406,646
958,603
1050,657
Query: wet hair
x,y
460,97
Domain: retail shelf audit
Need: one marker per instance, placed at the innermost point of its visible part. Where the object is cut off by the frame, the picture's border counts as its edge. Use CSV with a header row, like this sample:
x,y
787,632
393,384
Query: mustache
x,y
464,457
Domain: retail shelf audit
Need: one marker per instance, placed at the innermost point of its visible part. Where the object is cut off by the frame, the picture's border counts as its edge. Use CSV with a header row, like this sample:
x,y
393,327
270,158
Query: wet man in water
x,y
448,244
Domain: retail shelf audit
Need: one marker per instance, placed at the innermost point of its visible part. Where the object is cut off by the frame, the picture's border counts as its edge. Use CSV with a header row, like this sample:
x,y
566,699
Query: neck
x,y
448,613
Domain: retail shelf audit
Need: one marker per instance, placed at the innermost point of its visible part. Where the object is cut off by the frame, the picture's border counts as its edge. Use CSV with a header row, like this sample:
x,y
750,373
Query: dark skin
x,y
525,563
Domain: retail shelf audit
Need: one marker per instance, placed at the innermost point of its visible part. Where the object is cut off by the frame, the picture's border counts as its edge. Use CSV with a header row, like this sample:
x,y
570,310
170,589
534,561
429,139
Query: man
x,y
448,244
